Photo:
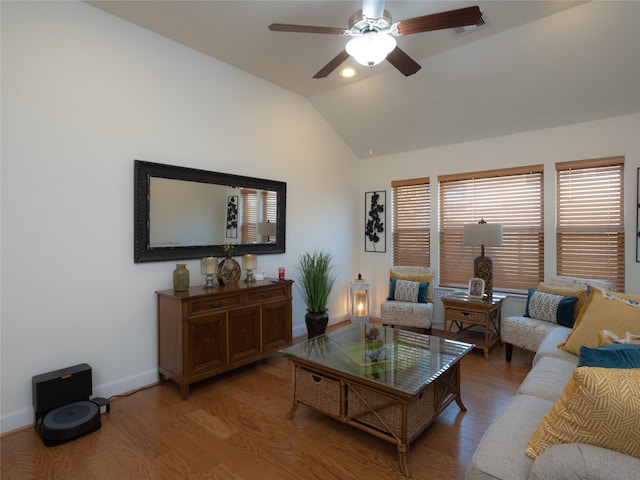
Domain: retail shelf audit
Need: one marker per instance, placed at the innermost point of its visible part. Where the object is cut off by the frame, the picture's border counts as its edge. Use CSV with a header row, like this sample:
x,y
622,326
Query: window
x,y
590,219
512,197
411,222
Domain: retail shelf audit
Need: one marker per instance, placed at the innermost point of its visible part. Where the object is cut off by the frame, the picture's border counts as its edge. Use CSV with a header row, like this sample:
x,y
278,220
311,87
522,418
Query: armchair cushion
x,y
408,291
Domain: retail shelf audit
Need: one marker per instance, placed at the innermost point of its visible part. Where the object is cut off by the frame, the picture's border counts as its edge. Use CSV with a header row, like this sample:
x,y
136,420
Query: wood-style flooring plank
x,y
234,427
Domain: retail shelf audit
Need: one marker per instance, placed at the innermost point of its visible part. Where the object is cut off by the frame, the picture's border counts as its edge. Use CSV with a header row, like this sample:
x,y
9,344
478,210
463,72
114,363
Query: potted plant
x,y
316,278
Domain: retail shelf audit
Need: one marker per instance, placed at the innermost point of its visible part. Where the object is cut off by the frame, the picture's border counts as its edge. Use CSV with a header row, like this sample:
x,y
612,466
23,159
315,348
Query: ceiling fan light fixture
x,y
371,48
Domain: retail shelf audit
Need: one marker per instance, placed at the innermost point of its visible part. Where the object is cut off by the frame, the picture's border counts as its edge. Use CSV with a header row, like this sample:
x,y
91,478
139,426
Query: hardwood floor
x,y
234,427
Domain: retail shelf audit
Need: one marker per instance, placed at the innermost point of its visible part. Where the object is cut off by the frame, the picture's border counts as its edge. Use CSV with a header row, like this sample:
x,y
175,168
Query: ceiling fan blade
x,y
403,62
332,65
373,8
440,21
285,27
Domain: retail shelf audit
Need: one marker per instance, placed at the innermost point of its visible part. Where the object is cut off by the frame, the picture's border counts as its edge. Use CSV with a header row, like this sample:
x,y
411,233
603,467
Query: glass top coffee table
x,y
387,382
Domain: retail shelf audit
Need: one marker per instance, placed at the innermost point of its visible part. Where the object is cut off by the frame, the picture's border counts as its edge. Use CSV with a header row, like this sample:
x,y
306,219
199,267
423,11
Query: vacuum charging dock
x,y
63,410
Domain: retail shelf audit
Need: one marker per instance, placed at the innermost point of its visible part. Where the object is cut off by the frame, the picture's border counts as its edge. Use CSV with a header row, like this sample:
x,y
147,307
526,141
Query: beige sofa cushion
x,y
548,379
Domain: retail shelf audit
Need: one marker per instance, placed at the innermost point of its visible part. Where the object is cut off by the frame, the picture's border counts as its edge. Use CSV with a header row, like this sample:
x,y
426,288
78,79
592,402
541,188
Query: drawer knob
x,y
267,295
216,304
465,314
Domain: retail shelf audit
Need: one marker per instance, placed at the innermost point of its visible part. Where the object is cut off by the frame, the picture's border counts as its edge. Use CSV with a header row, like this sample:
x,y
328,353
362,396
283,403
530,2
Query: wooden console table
x,y
464,313
206,331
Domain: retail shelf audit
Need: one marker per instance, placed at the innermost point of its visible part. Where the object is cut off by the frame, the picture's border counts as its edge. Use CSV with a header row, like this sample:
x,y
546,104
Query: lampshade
x,y
487,234
371,48
266,229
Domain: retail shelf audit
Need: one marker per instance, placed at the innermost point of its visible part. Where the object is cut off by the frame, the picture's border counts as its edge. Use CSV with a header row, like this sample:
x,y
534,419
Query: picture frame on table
x,y
476,288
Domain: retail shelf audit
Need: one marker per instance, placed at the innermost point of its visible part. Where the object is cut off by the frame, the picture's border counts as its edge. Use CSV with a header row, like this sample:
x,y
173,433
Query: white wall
x,y
604,138
83,95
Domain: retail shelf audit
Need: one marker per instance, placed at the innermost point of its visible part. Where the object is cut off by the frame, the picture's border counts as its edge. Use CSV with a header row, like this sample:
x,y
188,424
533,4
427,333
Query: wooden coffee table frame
x,y
381,411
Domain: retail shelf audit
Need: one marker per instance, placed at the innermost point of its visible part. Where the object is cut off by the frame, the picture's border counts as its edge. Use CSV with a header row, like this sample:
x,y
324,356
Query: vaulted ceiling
x,y
535,64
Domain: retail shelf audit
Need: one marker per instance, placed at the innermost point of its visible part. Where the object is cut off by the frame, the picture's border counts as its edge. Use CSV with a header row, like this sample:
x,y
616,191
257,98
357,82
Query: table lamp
x,y
484,234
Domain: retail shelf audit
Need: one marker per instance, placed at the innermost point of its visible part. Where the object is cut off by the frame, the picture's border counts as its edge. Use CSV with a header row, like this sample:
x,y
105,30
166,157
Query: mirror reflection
x,y
186,214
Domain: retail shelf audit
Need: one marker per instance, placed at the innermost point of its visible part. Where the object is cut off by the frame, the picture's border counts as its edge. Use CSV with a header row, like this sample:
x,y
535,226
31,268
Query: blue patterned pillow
x,y
551,308
407,291
617,355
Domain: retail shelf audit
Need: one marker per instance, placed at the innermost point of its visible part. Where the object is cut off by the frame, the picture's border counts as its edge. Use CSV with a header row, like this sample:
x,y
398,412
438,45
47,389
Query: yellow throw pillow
x,y
598,406
415,277
579,291
603,310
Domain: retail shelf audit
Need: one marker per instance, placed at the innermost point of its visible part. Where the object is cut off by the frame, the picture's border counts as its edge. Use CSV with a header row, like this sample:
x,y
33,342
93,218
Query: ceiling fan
x,y
372,35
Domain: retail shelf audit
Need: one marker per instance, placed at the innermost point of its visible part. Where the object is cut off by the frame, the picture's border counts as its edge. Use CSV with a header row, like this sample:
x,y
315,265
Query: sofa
x,y
555,380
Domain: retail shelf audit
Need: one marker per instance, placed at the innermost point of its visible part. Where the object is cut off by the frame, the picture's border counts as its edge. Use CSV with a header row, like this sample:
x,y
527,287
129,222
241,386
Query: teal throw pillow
x,y
407,291
551,308
617,355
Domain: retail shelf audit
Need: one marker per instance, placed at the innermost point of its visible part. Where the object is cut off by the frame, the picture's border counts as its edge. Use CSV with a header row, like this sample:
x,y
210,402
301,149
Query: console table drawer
x,y
318,391
213,303
265,295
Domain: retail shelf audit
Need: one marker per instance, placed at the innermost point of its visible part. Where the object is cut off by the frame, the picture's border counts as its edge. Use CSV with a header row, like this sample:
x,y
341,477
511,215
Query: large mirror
x,y
182,213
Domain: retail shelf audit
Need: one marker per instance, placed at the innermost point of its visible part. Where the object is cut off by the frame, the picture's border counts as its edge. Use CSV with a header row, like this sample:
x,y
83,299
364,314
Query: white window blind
x,y
411,222
512,197
590,219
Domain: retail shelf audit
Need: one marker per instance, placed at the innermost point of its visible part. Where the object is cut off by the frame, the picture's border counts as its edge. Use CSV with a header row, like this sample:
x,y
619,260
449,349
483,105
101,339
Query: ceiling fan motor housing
x,y
359,24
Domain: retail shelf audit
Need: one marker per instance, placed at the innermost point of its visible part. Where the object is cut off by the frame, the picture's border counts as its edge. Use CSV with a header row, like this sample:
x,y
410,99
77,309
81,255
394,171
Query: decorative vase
x,y
229,271
316,323
181,278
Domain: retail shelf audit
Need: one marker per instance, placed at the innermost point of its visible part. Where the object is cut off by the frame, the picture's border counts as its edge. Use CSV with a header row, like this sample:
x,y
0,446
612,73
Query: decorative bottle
x,y
181,278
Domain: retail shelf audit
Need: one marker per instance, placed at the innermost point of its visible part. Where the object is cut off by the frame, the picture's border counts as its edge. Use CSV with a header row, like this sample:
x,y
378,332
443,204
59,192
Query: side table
x,y
462,313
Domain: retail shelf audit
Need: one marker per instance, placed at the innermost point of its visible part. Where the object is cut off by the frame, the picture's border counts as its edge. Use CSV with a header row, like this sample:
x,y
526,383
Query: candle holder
x,y
250,263
208,268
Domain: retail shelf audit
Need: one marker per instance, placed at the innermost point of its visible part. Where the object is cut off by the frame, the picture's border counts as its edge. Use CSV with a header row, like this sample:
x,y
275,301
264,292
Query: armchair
x,y
410,300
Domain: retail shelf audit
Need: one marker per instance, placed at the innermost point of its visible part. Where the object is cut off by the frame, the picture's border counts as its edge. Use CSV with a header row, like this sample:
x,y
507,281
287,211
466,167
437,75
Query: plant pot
x,y
316,323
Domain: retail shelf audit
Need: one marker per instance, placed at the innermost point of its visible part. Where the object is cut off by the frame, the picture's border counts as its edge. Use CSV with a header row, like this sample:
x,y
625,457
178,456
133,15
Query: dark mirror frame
x,y
142,173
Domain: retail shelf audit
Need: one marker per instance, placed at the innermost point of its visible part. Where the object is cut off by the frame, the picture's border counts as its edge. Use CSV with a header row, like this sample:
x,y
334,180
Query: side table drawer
x,y
318,391
465,316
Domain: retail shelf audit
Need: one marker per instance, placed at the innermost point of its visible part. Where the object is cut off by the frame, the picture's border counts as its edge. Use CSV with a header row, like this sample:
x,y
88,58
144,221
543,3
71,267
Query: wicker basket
x,y
387,411
318,391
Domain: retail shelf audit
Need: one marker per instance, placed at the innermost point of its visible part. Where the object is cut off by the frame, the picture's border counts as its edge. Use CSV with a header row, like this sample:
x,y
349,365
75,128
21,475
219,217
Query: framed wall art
x,y
232,216
375,214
